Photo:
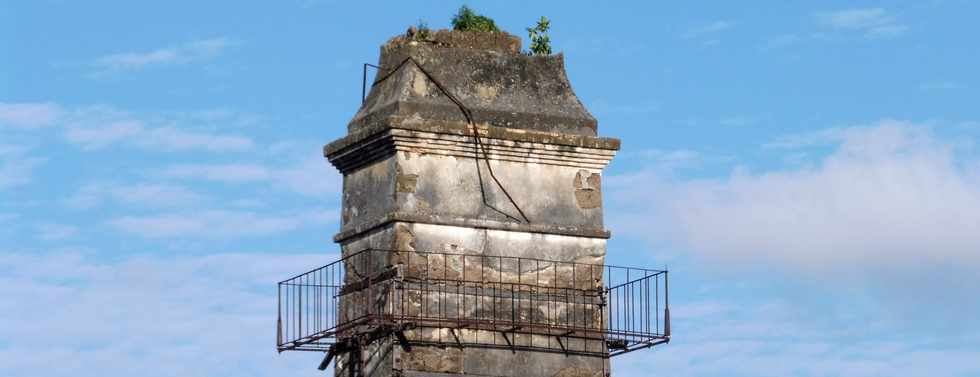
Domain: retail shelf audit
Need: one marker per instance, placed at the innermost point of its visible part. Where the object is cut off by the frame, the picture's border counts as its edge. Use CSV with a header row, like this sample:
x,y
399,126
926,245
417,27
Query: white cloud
x,y
220,224
602,107
28,115
890,203
54,232
672,158
17,166
738,121
708,35
872,22
821,138
102,135
940,85
146,315
311,176
770,338
780,41
97,136
96,127
711,28
219,172
177,139
142,194
194,51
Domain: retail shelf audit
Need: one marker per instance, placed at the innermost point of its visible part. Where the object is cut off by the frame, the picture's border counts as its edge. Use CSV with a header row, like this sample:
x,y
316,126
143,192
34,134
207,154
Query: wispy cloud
x,y
602,106
672,158
55,232
738,120
309,176
194,51
175,138
139,194
711,28
236,172
28,115
96,127
871,22
17,165
133,132
100,135
220,223
940,85
821,137
709,34
780,41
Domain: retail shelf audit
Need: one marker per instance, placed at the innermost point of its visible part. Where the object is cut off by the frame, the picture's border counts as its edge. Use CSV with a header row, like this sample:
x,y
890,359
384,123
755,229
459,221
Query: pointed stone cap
x,y
486,72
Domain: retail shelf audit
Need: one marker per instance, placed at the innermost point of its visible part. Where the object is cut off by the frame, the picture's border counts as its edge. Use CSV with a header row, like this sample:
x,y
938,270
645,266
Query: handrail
x,y
355,254
617,306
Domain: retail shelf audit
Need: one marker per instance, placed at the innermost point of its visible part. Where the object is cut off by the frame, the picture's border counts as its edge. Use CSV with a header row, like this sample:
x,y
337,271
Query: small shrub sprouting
x,y
540,42
420,32
467,20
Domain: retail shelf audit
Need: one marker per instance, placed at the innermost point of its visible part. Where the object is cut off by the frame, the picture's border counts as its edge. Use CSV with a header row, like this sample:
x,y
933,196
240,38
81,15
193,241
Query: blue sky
x,y
808,171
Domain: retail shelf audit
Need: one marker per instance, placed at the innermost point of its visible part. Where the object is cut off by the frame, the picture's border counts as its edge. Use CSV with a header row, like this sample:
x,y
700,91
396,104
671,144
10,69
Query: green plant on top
x,y
421,32
540,41
467,20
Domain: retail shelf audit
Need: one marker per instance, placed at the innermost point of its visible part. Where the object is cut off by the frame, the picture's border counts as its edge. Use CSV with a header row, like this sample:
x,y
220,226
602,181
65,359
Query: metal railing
x,y
475,300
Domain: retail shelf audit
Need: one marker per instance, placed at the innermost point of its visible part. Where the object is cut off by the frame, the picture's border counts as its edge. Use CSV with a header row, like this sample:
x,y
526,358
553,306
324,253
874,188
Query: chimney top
x,y
493,41
484,71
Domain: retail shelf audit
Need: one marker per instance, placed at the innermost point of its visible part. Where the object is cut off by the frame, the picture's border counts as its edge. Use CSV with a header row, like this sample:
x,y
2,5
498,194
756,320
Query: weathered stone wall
x,y
448,361
431,176
478,301
424,237
386,358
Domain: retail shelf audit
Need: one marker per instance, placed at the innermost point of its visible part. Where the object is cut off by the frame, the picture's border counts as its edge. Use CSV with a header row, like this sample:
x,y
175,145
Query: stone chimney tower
x,y
472,225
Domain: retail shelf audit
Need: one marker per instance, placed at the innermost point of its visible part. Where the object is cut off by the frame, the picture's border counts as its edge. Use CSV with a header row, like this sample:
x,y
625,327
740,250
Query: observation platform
x,y
474,300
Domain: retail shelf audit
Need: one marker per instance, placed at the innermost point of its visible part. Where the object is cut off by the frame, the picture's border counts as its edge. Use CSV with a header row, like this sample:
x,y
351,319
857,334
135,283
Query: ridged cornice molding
x,y
449,138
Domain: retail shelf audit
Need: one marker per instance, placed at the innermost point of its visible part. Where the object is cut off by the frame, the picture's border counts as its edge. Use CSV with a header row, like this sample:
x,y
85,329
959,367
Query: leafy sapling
x,y
540,41
422,31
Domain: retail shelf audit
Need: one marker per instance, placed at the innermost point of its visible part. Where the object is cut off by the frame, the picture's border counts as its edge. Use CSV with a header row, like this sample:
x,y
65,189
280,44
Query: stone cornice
x,y
451,138
351,232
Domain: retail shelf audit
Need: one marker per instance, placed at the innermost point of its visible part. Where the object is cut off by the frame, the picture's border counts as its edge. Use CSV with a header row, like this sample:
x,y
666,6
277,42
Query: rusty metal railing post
x,y
666,306
279,315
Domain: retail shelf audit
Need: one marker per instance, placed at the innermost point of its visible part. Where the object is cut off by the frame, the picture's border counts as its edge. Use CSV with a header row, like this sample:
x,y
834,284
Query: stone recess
x,y
415,178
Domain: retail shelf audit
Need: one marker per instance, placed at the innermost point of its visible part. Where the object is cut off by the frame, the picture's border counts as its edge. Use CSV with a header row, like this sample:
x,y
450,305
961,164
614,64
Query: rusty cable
x,y
479,146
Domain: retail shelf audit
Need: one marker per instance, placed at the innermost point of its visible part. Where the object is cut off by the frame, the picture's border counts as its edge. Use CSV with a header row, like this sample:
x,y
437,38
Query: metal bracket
x,y
509,343
562,344
328,358
403,341
458,343
617,344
